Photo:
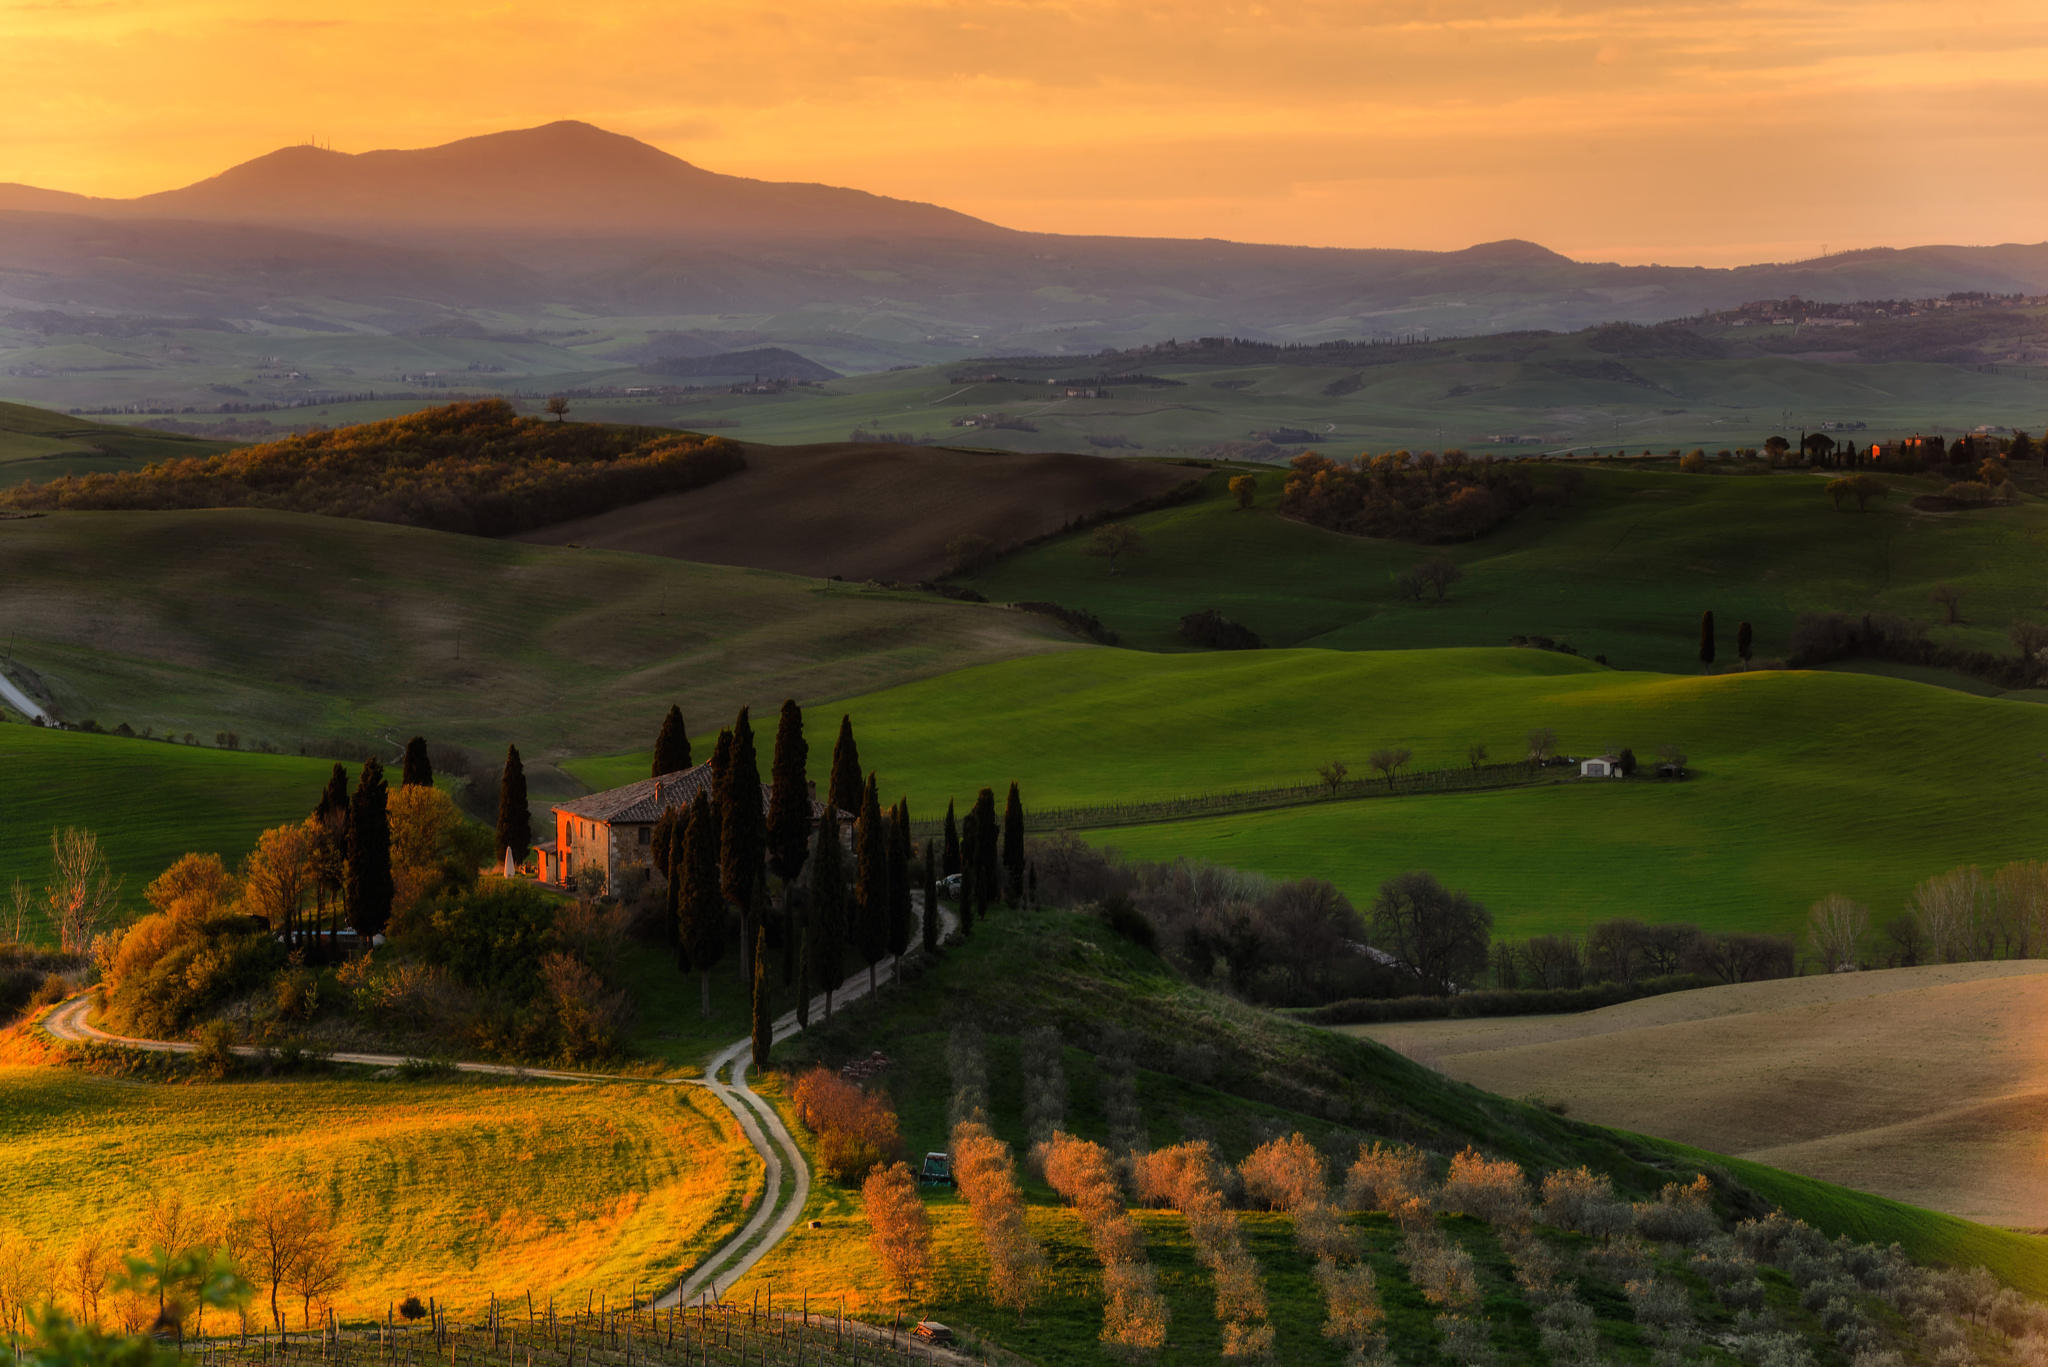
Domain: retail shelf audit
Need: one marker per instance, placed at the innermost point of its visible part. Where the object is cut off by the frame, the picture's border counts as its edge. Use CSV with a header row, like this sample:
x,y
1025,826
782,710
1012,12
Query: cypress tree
x,y
1744,639
764,1024
969,866
515,822
871,882
987,854
800,910
700,909
330,820
931,899
1013,847
845,788
1707,637
721,762
902,905
417,770
672,746
952,845
789,820
825,913
743,833
368,873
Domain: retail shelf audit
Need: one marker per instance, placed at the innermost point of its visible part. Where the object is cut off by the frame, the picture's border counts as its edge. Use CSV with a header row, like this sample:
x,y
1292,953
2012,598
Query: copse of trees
x,y
477,468
1427,498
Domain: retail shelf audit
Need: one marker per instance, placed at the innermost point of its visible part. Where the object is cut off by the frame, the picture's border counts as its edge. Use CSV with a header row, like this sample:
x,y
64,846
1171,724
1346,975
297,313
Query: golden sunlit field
x,y
444,1188
1928,1085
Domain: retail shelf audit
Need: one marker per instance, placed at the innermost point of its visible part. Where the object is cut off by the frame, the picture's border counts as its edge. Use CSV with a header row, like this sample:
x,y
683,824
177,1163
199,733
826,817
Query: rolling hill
x,y
1925,1085
38,444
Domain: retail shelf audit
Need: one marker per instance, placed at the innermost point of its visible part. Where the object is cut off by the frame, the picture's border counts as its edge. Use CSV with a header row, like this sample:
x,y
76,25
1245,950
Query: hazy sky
x,y
1715,132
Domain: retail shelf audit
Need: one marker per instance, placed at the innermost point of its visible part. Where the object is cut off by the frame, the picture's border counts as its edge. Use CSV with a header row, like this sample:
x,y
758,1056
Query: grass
x,y
282,627
1624,571
1921,1084
1805,783
149,802
40,445
450,1188
1211,1068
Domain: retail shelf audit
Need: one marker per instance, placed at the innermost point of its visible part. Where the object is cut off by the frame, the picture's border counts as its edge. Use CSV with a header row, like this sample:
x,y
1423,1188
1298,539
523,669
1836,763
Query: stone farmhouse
x,y
614,830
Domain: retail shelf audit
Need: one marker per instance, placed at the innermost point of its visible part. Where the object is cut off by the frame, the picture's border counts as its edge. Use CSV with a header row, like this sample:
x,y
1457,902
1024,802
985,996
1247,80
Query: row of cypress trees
x,y
355,827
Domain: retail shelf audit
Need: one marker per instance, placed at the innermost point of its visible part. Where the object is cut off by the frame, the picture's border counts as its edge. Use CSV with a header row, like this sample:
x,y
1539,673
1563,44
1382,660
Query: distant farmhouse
x,y
614,830
1606,766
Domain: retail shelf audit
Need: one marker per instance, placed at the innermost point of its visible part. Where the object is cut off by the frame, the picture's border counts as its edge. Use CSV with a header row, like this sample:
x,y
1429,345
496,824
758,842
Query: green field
x,y
452,1188
283,627
38,444
1807,783
1624,570
149,802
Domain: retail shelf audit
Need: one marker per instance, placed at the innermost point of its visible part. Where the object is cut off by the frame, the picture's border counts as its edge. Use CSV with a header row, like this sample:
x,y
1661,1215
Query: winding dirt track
x,y
782,1202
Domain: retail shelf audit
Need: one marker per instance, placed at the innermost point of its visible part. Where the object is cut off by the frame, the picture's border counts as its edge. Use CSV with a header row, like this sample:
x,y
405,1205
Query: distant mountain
x,y
567,225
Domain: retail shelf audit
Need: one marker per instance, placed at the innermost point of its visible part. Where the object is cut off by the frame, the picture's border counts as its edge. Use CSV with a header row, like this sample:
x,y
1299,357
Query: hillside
x,y
284,627
1622,567
1791,799
1925,1085
1146,1060
40,445
867,510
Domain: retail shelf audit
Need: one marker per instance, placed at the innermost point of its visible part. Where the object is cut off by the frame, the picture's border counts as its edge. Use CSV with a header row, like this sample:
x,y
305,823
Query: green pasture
x,y
1804,784
1623,570
40,445
148,801
291,628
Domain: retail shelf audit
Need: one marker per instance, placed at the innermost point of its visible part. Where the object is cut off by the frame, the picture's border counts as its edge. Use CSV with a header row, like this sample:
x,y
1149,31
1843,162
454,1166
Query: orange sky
x,y
1659,130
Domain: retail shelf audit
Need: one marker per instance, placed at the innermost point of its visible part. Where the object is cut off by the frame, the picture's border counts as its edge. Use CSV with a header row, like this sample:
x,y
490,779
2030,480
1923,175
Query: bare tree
x,y
1332,774
85,1271
2030,639
1475,755
1388,760
1115,539
2019,896
1439,574
1835,927
1950,598
1673,755
1542,744
283,1231
558,404
1947,908
20,899
81,891
1908,945
318,1274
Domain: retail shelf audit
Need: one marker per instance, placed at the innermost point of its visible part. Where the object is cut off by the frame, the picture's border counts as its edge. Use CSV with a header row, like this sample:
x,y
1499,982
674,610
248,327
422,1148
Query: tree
x,y
1951,600
2030,639
515,822
871,899
368,888
789,819
1388,760
672,744
742,832
987,852
415,769
1475,755
1333,774
82,891
902,897
319,1273
1707,637
898,1228
763,1013
847,784
1440,935
1693,462
279,874
282,1228
1673,755
700,910
1542,744
930,925
1244,488
1948,906
951,848
1013,847
970,873
1439,574
1776,447
824,952
558,404
1113,540
1834,927
1626,762
1745,638
1908,945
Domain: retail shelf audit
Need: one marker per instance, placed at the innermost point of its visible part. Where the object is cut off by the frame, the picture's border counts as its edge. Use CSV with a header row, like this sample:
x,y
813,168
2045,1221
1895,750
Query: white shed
x,y
1606,766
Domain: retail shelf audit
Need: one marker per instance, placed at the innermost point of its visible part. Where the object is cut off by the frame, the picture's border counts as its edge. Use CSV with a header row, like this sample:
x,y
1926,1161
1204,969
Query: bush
x,y
1211,630
214,1051
1386,1177
1125,920
1284,1174
1583,1201
1487,1189
856,1131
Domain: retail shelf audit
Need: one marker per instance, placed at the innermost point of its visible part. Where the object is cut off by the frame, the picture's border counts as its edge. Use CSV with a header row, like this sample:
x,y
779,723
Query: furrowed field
x,y
1805,783
453,1189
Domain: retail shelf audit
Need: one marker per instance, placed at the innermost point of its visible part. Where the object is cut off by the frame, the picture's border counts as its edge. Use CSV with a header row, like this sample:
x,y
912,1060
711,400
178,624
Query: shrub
x,y
1583,1201
1385,1177
1125,920
1284,1173
1680,1214
214,1050
1486,1189
1211,630
855,1130
987,1180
